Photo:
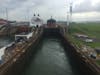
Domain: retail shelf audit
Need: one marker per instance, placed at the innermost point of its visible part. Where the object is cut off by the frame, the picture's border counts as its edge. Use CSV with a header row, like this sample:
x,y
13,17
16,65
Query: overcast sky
x,y
83,10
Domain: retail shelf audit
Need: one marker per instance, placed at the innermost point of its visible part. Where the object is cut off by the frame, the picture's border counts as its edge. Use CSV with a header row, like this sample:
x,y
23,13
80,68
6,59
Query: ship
x,y
16,54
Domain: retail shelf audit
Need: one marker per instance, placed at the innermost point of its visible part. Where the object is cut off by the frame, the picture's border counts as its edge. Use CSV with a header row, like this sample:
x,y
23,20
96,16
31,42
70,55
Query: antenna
x,y
51,17
28,14
71,12
34,15
7,14
71,8
0,12
38,15
67,18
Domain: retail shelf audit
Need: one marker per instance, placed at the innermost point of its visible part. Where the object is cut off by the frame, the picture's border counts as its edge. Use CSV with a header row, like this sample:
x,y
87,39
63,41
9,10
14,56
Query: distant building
x,y
88,40
13,23
22,23
22,26
3,22
81,35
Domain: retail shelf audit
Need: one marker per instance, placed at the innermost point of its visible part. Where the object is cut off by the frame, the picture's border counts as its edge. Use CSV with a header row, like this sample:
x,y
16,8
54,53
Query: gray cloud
x,y
86,6
11,4
46,8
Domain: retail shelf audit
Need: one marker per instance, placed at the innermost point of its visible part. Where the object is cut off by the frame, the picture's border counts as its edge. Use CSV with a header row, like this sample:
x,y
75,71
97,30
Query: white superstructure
x,y
27,36
36,20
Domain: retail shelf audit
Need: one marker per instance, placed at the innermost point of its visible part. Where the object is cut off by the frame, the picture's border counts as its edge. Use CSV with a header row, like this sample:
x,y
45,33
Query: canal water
x,y
51,59
5,41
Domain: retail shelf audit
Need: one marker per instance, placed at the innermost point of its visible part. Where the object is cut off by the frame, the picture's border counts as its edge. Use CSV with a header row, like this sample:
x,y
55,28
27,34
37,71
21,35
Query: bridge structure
x,y
21,52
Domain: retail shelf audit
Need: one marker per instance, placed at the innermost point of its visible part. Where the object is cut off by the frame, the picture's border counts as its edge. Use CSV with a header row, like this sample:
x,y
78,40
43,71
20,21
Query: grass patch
x,y
98,62
76,41
94,44
90,29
